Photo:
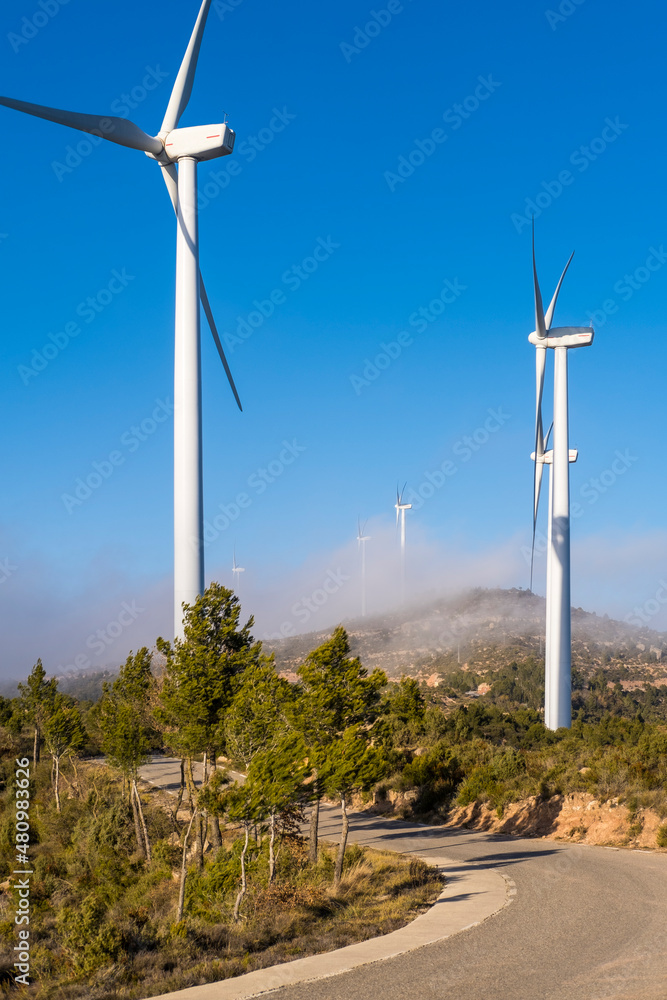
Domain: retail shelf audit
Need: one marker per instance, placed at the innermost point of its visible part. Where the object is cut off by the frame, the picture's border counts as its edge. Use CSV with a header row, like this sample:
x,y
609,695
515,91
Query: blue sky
x,y
410,143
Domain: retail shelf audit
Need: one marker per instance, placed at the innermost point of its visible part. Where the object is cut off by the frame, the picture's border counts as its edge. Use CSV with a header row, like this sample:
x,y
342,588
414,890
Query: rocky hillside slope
x,y
484,630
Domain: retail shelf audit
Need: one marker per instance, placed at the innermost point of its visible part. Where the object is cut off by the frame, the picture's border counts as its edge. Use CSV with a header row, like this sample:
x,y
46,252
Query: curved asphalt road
x,y
587,923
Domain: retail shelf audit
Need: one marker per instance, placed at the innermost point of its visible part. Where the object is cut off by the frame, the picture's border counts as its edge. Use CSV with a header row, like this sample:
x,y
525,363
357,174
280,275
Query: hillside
x,y
484,630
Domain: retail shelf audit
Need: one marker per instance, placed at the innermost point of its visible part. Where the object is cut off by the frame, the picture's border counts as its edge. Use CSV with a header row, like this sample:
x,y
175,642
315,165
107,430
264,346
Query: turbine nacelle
x,y
564,336
201,142
547,457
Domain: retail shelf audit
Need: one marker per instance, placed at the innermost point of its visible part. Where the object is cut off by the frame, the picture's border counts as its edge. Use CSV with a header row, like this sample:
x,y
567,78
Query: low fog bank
x,y
92,624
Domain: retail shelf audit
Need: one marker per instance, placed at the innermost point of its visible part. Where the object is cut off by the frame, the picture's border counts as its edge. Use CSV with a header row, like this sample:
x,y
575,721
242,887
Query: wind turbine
x,y
361,543
178,152
558,643
400,515
236,573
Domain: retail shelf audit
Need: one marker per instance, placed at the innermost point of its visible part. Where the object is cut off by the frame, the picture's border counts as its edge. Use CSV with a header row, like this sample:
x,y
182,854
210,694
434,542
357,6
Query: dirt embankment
x,y
577,817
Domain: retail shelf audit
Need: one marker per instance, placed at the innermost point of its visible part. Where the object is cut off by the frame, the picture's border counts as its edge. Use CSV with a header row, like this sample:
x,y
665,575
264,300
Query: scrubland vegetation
x,y
135,892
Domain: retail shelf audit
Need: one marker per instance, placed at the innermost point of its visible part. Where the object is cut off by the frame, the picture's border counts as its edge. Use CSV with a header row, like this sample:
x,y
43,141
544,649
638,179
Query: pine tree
x,y
352,764
241,803
335,693
277,773
37,699
64,735
202,673
256,716
129,734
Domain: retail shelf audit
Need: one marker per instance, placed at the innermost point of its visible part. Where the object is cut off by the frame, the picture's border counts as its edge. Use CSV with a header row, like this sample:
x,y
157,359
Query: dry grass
x,y
300,916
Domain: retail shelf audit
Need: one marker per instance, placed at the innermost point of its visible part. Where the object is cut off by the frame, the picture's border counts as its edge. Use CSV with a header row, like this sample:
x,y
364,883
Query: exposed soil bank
x,y
577,817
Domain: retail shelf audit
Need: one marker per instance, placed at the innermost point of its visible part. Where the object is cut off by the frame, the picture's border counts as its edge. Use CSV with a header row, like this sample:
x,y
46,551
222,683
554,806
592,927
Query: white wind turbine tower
x,y
178,152
361,542
236,574
400,515
558,645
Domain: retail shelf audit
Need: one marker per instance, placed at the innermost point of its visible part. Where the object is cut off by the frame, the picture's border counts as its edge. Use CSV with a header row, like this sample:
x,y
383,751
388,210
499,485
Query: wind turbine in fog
x,y
178,152
361,542
236,573
400,516
558,644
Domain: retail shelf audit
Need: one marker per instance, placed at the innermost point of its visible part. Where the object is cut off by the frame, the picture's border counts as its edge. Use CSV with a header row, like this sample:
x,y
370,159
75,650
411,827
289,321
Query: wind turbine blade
x,y
548,319
216,338
546,440
180,95
170,174
117,130
537,485
540,326
540,364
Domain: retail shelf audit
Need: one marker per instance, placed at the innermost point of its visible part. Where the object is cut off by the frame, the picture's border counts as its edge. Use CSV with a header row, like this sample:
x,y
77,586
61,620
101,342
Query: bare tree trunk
x,y
199,827
192,791
35,748
204,819
272,840
214,833
242,893
184,871
338,871
180,791
56,782
314,824
137,824
143,821
190,782
76,778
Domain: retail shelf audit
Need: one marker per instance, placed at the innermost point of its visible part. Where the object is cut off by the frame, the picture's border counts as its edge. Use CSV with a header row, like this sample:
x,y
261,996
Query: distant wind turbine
x,y
400,516
236,573
361,542
558,644
178,151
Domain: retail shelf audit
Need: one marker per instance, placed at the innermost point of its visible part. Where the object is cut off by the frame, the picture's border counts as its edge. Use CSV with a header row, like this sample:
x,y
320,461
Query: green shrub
x,y
437,764
661,836
88,940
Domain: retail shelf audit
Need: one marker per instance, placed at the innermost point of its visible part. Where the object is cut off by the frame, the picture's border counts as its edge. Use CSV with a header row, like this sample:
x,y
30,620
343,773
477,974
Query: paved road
x,y
166,773
587,923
